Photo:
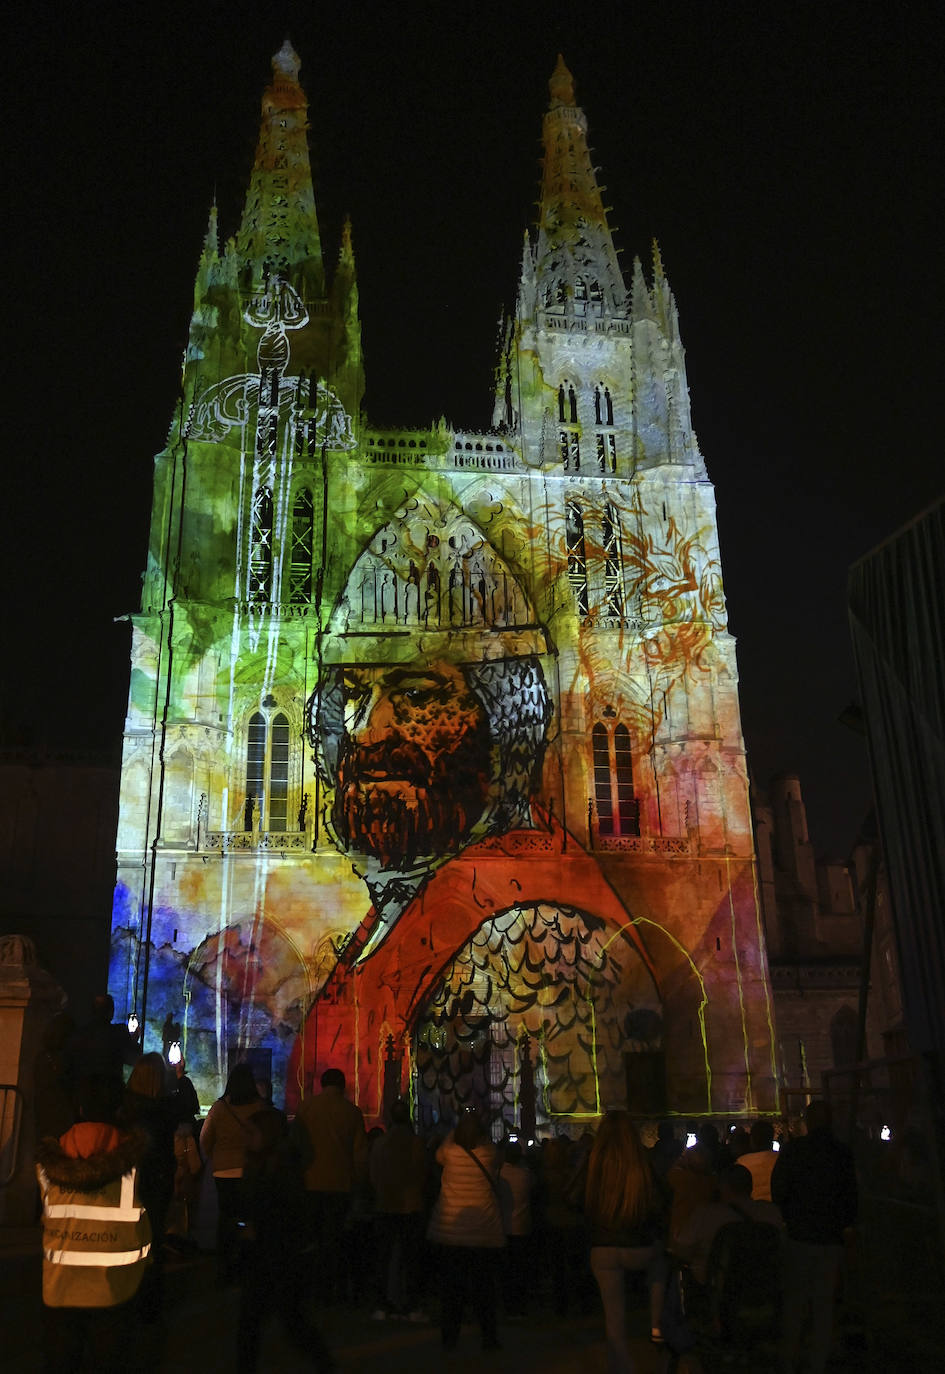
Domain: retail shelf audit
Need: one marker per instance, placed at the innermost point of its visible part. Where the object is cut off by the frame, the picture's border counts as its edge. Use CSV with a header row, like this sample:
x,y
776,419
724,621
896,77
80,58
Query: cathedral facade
x,y
433,766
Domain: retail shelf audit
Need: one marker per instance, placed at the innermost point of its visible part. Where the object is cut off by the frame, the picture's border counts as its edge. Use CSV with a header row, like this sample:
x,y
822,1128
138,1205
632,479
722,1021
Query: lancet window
x,y
567,404
613,559
260,552
618,811
603,406
606,438
266,435
569,445
300,564
267,773
607,452
577,558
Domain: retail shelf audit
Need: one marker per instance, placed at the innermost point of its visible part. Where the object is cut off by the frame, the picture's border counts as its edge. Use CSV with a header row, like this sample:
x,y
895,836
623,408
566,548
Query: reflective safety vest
x,y
96,1245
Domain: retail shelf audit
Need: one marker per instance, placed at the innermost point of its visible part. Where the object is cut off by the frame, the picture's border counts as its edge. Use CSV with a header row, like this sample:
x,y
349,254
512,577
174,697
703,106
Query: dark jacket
x,y
333,1142
814,1184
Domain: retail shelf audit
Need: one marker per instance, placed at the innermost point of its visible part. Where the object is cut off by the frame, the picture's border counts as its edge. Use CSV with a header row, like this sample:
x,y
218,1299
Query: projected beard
x,y
413,769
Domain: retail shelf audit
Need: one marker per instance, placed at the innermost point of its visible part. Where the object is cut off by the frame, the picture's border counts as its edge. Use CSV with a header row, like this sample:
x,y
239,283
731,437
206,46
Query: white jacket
x,y
467,1209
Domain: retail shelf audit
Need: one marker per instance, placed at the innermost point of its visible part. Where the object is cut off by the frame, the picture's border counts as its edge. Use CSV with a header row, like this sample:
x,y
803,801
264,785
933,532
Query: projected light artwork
x,y
433,767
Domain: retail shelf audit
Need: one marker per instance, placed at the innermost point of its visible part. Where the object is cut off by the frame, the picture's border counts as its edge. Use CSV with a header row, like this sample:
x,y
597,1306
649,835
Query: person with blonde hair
x,y
625,1212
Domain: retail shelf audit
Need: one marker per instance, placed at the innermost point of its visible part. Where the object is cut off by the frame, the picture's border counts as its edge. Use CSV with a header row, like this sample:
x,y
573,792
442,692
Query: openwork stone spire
x,y
576,263
279,231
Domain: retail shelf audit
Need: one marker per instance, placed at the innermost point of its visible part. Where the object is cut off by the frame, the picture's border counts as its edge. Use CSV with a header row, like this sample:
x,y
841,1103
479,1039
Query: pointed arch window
x,y
303,535
577,558
618,811
260,553
603,406
606,439
267,773
567,404
613,560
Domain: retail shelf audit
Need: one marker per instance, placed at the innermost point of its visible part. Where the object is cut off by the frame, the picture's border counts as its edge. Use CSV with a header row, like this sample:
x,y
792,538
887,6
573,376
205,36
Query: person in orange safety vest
x,y
96,1237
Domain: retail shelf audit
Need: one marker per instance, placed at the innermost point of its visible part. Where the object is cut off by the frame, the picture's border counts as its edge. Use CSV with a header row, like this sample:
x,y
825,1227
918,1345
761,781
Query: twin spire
x,y
279,230
570,270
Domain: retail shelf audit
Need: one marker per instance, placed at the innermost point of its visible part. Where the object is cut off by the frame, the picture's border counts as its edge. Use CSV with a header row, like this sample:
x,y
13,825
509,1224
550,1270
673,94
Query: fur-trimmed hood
x,y
90,1156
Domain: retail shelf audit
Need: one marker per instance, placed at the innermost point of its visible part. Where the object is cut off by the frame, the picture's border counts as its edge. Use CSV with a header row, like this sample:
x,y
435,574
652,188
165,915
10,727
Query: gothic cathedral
x,y
433,767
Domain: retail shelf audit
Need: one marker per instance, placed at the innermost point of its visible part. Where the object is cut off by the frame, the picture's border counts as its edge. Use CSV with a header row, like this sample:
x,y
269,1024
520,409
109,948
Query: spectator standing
x,y
692,1182
274,1280
760,1160
96,1236
332,1143
225,1137
625,1212
184,1095
398,1170
515,1197
561,1193
666,1150
467,1226
188,1166
53,1079
101,1048
814,1184
146,1107
735,1203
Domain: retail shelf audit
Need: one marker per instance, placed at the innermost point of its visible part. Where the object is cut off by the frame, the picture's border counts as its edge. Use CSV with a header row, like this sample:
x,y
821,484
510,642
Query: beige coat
x,y
228,1133
467,1209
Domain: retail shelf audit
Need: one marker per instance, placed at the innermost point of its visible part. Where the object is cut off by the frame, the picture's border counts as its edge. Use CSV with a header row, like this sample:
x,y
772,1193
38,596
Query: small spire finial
x,y
657,261
561,84
346,252
286,62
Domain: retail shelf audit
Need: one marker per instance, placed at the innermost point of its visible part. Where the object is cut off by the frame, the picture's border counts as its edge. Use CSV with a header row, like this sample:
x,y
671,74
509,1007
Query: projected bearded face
x,y
413,767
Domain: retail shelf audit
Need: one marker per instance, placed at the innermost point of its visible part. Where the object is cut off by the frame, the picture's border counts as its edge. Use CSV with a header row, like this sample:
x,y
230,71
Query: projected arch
x,y
244,991
534,1019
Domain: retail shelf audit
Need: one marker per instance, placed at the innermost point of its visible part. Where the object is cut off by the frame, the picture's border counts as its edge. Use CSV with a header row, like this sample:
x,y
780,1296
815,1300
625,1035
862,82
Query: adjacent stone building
x,y
830,943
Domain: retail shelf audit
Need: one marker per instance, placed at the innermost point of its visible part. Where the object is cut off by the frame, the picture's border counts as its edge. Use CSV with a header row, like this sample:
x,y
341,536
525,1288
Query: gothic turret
x,y
662,420
346,364
279,230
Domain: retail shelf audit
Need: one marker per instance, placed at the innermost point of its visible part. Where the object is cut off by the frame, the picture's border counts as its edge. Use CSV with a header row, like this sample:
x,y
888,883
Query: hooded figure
x,y
96,1236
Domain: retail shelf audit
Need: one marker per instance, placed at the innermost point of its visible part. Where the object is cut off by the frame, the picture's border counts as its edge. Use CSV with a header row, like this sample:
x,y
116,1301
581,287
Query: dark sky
x,y
786,157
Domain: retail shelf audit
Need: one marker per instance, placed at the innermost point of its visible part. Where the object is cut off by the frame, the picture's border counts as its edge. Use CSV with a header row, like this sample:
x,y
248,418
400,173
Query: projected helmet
x,y
429,586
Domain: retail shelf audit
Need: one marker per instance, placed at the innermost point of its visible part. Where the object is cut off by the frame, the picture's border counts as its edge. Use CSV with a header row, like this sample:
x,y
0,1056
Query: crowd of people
x,y
734,1243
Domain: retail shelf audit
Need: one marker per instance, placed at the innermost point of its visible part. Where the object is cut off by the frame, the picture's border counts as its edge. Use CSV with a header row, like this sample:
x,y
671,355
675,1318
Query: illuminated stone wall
x,y
433,765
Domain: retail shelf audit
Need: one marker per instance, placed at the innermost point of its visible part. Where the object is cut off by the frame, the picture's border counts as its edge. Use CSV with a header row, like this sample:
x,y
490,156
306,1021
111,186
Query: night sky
x,y
786,157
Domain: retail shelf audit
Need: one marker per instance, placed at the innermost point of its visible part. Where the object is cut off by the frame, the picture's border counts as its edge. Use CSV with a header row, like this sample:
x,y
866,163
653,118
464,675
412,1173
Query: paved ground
x,y
890,1321
201,1324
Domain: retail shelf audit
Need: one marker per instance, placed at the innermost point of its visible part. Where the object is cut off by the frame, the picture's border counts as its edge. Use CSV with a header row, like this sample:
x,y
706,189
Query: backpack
x,y
744,1282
